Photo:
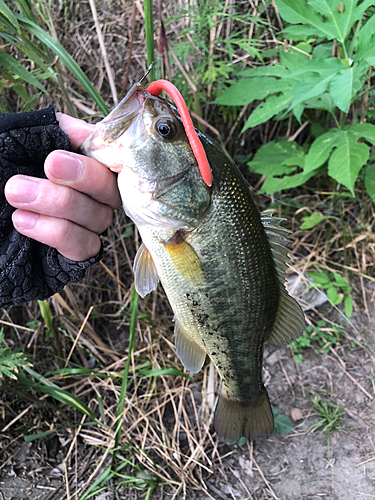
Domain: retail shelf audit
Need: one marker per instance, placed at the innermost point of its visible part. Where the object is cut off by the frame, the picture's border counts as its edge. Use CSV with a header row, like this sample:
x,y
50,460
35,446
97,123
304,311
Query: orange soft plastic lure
x,y
204,167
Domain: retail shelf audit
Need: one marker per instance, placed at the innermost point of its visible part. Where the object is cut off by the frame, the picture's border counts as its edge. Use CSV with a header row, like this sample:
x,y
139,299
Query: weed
x,y
11,363
336,287
320,338
323,76
329,416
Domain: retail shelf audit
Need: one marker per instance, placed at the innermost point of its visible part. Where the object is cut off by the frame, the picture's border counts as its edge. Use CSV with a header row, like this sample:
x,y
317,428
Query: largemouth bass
x,y
221,263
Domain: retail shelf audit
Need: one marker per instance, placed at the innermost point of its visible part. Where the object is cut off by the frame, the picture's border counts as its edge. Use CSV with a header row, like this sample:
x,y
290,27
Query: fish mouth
x,y
122,116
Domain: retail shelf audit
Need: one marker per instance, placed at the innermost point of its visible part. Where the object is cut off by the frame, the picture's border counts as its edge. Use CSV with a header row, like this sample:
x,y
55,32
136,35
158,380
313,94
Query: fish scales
x,y
220,269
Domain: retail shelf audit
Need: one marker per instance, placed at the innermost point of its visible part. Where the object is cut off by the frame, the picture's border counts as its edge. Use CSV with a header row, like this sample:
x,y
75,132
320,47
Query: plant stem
x,y
149,30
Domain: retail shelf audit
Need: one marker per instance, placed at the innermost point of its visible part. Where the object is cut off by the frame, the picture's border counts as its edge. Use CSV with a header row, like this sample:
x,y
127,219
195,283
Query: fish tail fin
x,y
234,419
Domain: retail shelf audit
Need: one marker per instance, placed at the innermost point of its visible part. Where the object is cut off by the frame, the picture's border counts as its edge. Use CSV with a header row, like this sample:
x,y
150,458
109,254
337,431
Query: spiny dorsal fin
x,y
145,274
277,237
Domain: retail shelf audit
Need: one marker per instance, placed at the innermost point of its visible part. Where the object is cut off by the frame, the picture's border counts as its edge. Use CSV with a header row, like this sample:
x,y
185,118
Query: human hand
x,y
70,208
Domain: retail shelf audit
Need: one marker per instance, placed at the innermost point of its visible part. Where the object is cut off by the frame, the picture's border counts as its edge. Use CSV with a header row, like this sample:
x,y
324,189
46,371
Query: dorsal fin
x,y
277,237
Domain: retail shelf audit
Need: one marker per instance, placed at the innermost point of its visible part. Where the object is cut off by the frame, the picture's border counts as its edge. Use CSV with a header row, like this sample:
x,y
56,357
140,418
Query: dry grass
x,y
166,444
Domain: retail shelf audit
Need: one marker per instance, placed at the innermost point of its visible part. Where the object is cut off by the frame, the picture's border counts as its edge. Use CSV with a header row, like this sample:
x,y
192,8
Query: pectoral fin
x,y
191,355
289,323
184,259
145,274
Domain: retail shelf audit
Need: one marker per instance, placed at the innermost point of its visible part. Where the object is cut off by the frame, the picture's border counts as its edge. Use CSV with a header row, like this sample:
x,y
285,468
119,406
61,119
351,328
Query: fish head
x,y
144,141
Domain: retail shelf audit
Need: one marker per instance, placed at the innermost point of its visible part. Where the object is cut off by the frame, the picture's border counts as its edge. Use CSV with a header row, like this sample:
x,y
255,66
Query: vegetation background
x,y
93,401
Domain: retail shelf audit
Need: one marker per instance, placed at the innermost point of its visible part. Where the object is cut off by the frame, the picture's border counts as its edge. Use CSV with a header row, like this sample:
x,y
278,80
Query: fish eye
x,y
166,129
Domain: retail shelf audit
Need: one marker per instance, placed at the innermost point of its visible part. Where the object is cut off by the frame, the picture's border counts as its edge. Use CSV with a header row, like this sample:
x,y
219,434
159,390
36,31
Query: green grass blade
x,y
8,62
47,387
8,14
125,380
149,30
66,59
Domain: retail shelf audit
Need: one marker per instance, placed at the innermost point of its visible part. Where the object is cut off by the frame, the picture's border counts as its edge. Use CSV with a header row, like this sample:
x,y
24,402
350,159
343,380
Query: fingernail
x,y
24,220
21,189
66,166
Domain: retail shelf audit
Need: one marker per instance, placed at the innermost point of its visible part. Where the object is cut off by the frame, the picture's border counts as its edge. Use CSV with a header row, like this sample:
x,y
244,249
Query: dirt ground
x,y
304,464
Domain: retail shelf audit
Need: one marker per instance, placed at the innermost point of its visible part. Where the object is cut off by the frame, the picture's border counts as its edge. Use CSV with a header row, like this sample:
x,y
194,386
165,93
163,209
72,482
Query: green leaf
x,y
301,13
346,84
283,424
292,58
276,70
248,90
370,180
12,65
320,151
323,67
271,107
363,131
347,159
312,220
332,294
348,304
8,14
273,154
364,39
320,279
311,86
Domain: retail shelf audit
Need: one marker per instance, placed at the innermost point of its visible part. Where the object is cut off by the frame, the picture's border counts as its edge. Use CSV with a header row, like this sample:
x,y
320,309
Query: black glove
x,y
28,269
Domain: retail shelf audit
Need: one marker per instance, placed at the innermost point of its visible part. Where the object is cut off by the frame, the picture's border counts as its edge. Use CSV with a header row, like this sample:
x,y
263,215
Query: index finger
x,y
77,130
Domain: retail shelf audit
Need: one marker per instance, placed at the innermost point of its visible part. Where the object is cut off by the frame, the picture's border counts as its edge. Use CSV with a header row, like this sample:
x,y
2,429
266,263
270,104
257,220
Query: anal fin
x,y
145,273
190,354
234,419
289,323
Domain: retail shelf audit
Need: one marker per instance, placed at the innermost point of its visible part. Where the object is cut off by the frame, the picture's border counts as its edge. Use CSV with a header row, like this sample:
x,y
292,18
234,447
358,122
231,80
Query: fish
x,y
221,263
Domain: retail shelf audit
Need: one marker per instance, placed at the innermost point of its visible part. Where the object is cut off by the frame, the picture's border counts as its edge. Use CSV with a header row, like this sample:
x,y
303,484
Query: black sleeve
x,y
30,270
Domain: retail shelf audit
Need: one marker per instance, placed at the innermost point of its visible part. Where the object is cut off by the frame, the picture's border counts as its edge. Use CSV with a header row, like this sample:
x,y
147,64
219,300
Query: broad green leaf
x,y
323,67
323,101
363,131
363,39
274,184
370,180
361,9
276,70
320,151
345,85
277,161
291,58
12,65
347,159
248,90
311,86
271,107
302,13
299,31
312,220
323,51
273,154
